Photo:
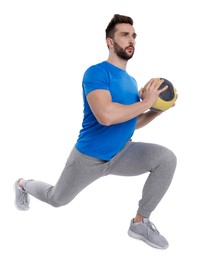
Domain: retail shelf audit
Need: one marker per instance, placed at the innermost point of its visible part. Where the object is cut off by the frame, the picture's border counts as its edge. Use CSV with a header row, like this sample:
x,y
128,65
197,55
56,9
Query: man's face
x,y
124,41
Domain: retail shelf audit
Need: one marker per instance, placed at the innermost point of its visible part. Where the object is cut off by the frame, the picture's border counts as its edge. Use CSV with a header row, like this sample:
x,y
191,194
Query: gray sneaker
x,y
147,232
22,198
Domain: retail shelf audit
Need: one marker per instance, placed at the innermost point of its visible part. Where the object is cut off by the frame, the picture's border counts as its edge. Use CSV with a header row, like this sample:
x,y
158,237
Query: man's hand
x,y
150,92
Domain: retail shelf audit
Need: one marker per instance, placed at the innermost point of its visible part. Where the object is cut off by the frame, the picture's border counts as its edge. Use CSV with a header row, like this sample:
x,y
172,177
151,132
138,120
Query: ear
x,y
109,42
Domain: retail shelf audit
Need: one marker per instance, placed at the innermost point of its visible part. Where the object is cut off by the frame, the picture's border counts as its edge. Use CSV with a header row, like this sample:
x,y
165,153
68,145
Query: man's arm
x,y
109,113
146,118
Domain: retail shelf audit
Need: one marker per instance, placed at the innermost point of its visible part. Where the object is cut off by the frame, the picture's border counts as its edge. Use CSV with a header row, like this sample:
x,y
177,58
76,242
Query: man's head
x,y
120,36
117,19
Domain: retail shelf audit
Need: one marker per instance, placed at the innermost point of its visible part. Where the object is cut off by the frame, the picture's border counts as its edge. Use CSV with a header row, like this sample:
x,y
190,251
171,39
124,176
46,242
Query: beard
x,y
121,53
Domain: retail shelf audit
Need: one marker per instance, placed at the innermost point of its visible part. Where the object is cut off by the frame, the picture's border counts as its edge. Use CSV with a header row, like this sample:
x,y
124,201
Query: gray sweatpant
x,y
134,159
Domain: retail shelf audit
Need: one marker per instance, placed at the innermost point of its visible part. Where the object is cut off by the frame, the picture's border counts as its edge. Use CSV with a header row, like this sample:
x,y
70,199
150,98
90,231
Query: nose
x,y
132,42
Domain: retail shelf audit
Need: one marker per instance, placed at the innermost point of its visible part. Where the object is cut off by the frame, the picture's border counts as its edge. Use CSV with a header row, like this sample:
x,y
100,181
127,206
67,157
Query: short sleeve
x,y
95,77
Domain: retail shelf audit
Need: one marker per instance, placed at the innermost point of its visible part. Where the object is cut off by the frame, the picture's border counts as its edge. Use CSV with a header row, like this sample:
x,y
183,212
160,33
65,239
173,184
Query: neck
x,y
116,61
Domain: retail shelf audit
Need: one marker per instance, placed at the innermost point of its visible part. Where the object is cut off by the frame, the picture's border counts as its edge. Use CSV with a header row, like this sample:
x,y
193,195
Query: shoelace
x,y
24,199
152,227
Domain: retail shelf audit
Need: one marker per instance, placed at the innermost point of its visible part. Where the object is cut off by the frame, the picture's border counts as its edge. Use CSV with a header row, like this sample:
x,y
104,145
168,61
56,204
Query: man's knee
x,y
59,201
171,159
168,162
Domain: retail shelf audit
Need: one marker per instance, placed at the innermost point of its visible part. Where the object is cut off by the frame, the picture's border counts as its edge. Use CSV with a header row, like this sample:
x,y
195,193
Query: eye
x,y
124,34
134,35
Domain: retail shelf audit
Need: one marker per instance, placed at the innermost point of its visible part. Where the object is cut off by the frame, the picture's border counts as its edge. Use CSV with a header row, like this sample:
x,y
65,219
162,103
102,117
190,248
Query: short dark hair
x,y
117,18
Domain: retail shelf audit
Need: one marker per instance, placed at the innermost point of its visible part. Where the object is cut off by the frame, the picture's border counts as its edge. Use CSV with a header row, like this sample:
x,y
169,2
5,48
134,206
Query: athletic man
x,y
113,109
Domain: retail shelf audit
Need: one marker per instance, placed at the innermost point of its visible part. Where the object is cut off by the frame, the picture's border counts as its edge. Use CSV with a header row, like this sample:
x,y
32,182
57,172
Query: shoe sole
x,y
16,205
137,236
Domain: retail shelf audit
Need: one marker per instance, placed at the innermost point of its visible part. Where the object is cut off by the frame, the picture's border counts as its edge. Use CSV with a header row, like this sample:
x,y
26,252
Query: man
x,y
113,109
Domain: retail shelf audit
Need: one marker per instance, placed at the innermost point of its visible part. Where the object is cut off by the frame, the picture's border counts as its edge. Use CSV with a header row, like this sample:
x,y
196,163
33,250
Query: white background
x,y
45,47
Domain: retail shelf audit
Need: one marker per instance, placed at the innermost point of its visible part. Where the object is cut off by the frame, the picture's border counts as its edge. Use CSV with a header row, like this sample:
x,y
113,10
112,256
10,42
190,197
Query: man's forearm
x,y
146,118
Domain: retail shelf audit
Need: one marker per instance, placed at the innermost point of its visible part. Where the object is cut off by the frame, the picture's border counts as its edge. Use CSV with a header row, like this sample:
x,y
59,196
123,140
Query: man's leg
x,y
160,162
79,172
138,158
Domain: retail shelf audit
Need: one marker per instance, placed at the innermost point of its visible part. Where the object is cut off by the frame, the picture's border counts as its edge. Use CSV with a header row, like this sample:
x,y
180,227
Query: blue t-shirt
x,y
100,141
